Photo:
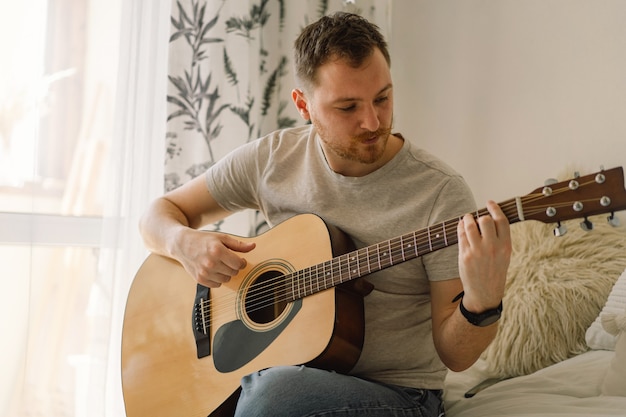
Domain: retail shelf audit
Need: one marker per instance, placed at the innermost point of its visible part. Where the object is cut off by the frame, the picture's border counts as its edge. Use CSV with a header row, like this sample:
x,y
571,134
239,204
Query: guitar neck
x,y
377,257
601,192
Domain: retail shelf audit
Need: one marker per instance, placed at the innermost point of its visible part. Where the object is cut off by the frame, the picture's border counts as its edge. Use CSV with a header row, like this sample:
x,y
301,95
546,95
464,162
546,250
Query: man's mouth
x,y
370,140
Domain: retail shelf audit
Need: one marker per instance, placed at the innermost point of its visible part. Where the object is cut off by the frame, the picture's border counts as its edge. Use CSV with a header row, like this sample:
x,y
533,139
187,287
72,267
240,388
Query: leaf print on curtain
x,y
230,78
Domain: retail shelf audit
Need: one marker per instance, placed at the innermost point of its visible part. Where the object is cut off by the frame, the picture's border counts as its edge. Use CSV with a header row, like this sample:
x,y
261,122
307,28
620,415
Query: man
x,y
349,169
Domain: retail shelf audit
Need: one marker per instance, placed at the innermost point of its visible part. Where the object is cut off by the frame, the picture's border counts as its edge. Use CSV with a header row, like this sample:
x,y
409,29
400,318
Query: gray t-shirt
x,y
285,173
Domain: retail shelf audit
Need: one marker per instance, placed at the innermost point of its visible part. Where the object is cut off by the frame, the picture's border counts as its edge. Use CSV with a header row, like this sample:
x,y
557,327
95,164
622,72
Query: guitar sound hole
x,y
266,298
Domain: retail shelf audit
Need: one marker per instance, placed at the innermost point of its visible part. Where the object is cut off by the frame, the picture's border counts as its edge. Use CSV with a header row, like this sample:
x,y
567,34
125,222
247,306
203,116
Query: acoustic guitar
x,y
298,301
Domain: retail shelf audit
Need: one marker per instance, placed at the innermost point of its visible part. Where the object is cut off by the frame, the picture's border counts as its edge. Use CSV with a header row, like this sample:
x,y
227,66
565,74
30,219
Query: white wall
x,y
512,92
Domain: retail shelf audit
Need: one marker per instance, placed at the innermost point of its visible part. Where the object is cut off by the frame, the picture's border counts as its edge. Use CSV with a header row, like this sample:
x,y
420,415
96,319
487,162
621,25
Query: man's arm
x,y
484,255
169,228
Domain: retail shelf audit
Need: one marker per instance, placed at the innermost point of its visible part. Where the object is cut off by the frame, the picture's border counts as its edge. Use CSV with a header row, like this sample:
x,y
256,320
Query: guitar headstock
x,y
601,192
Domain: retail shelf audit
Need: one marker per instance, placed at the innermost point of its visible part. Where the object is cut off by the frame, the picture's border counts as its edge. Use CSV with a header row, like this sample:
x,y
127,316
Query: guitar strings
x,y
269,292
268,297
273,289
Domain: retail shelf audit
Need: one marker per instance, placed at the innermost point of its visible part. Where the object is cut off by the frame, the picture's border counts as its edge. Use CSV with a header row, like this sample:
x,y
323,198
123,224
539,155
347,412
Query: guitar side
x,y
162,374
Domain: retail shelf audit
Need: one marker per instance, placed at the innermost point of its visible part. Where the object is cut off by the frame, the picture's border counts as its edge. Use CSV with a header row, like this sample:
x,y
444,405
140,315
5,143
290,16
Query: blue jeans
x,y
299,391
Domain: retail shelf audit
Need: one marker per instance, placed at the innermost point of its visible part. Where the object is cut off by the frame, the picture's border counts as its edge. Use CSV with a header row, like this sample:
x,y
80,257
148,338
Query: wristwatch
x,y
482,319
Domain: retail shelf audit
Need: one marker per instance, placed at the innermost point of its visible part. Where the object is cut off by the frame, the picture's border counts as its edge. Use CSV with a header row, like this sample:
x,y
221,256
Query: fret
x,y
382,257
342,266
430,243
445,235
392,255
369,265
438,240
350,270
330,273
327,274
305,281
336,270
402,249
397,257
299,284
409,248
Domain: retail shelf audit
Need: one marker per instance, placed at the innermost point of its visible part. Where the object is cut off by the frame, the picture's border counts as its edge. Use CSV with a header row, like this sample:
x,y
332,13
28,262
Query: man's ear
x,y
301,103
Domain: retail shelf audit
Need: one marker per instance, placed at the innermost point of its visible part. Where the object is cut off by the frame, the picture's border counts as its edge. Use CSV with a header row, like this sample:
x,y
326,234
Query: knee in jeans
x,y
268,389
269,381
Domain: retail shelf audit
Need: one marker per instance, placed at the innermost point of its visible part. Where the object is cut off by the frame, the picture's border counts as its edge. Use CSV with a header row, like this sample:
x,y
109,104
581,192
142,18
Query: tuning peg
x,y
560,230
613,221
550,181
586,225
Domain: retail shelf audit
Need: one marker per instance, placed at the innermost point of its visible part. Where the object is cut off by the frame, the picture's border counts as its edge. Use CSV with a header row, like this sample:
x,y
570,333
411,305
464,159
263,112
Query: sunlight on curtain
x,y
82,122
137,168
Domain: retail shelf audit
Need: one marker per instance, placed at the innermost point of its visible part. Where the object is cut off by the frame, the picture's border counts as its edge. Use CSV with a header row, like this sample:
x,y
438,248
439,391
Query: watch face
x,y
489,320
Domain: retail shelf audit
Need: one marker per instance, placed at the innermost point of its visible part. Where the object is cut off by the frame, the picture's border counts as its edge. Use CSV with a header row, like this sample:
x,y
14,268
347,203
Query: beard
x,y
357,148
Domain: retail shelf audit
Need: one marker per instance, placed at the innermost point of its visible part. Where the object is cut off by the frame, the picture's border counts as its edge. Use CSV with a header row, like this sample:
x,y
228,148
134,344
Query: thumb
x,y
237,245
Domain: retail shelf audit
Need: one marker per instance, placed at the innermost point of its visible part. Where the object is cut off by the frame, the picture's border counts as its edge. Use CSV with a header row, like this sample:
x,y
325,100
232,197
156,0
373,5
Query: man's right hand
x,y
211,258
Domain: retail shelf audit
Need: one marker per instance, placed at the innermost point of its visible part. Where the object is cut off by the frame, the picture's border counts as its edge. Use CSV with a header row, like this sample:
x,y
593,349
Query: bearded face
x,y
352,111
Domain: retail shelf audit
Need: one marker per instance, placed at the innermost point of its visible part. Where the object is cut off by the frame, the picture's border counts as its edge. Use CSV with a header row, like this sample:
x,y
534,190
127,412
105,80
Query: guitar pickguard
x,y
235,344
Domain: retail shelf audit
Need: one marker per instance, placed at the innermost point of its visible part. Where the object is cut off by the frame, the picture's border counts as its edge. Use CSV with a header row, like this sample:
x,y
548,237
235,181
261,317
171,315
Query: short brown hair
x,y
338,36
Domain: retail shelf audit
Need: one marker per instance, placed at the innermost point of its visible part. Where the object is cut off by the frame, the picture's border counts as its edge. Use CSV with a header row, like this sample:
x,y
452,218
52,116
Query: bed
x,y
561,344
569,388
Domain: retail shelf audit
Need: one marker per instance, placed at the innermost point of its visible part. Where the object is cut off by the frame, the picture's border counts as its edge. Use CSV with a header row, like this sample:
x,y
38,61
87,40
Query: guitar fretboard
x,y
367,260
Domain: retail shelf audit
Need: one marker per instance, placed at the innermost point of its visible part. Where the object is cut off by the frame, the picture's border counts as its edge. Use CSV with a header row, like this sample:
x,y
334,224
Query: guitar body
x,y
162,371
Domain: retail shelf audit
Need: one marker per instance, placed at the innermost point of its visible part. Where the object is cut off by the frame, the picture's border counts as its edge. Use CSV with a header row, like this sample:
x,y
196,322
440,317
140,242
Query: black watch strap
x,y
483,319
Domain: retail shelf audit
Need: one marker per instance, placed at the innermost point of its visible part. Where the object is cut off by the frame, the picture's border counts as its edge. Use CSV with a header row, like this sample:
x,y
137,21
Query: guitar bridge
x,y
201,321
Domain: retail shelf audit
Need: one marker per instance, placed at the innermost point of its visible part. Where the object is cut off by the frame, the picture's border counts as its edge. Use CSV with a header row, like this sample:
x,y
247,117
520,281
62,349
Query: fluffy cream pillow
x,y
555,289
615,380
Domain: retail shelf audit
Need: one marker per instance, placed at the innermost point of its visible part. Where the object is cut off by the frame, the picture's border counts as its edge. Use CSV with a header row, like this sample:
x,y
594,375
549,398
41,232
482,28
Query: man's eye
x,y
382,99
347,109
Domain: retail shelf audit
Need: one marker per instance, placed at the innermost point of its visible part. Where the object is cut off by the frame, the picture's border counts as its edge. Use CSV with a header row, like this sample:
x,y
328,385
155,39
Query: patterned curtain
x,y
230,76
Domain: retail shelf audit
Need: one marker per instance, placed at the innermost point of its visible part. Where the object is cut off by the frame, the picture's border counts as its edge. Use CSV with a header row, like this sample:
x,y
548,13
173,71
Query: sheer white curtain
x,y
70,253
136,174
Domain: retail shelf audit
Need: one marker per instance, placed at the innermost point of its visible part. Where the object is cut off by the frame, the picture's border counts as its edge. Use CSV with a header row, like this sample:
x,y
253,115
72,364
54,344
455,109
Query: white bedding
x,y
569,388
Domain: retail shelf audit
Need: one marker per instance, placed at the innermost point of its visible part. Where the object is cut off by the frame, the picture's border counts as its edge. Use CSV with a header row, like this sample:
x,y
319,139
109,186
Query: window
x,y
57,93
